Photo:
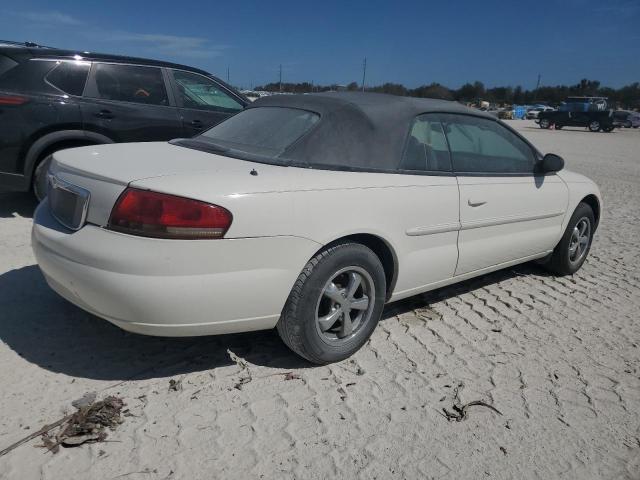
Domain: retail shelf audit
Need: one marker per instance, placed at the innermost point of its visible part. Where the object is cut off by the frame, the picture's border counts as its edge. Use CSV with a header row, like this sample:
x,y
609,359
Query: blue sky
x,y
411,42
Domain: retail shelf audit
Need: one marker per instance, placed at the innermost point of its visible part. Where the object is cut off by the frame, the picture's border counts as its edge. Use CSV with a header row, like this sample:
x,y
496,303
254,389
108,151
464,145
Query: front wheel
x,y
608,128
594,126
572,251
544,123
335,304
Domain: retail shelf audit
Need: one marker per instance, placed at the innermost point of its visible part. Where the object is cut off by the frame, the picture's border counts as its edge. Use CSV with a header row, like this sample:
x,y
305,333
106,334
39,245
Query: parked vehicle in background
x,y
307,213
589,112
533,113
626,119
54,99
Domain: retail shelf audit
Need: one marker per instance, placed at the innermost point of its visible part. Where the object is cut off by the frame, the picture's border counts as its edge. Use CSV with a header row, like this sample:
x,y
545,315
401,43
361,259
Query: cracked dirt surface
x,y
559,357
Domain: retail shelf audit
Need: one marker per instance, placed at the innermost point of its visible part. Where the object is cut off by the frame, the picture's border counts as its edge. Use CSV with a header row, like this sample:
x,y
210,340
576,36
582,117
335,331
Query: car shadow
x,y
568,129
21,204
46,330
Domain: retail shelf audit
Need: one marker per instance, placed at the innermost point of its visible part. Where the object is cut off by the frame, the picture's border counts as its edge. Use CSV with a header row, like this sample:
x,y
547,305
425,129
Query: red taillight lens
x,y
12,100
151,214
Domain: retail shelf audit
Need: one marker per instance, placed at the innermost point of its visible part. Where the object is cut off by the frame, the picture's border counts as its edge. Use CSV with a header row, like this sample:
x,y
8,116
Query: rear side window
x,y
69,77
426,148
479,145
129,83
264,131
6,64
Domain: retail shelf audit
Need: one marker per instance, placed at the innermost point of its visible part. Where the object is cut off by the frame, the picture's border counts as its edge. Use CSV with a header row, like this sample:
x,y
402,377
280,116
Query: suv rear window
x,y
69,77
6,64
264,131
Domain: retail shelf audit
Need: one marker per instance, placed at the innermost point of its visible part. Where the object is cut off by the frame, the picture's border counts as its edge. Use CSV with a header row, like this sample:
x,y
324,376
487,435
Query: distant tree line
x,y
624,97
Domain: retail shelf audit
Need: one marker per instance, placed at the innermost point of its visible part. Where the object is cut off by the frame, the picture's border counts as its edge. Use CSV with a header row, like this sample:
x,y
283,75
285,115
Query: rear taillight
x,y
158,215
12,99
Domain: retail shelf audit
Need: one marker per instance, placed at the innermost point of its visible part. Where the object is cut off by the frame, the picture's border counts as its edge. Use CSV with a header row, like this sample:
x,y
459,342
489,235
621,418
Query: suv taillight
x,y
158,215
12,99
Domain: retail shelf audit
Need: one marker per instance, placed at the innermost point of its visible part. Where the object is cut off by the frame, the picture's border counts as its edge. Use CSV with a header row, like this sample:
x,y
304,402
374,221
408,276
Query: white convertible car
x,y
307,213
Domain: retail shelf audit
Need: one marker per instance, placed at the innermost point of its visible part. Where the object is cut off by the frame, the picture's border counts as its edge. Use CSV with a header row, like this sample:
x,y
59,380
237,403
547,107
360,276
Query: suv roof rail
x,y
22,44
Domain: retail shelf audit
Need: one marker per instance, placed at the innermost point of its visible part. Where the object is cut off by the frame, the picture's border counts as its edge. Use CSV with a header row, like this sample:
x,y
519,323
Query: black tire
x,y
544,123
39,180
299,327
608,129
560,261
559,127
594,126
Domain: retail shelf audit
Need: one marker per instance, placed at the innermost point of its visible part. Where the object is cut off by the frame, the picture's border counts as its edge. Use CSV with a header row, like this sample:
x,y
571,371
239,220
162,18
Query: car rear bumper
x,y
170,287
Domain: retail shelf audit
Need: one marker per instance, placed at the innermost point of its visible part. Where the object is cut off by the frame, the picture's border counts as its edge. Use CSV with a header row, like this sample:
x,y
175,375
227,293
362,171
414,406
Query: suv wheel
x,y
594,126
544,123
335,304
39,180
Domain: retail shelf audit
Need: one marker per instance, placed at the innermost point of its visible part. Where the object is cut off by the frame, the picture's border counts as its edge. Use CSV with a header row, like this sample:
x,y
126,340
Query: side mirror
x,y
552,163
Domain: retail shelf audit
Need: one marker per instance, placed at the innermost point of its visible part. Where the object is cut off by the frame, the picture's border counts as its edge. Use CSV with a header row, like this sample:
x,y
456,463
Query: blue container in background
x,y
519,112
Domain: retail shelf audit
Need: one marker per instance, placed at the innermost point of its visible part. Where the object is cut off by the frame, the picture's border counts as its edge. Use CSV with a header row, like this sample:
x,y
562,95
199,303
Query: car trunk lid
x,y
105,171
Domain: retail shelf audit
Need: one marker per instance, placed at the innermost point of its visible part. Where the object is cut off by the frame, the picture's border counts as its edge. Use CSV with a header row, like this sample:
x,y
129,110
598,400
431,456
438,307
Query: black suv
x,y
53,99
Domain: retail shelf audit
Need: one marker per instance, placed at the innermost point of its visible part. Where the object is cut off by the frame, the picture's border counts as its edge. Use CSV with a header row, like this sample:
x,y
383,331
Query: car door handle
x,y
196,124
472,203
104,114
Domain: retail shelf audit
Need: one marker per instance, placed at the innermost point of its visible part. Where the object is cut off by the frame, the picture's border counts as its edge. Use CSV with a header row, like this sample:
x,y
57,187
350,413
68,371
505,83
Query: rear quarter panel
x,y
385,205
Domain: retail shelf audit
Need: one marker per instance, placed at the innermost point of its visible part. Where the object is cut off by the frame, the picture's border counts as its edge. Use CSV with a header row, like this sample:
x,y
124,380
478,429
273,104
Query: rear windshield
x,y
6,64
260,134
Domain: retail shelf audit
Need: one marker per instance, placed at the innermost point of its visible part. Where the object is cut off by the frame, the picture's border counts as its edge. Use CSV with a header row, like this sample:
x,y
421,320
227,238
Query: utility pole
x,y
535,94
280,81
364,72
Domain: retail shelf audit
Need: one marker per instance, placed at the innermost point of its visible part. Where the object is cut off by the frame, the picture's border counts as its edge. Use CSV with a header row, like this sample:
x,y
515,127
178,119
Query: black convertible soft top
x,y
357,131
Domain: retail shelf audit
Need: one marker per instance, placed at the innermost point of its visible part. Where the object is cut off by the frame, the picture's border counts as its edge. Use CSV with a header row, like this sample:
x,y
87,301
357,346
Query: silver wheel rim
x,y
579,241
345,304
595,126
544,123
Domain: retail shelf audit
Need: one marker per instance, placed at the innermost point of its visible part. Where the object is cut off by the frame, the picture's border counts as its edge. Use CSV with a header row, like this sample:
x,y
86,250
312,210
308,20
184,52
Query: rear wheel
x,y
573,248
594,126
335,304
39,180
544,123
558,126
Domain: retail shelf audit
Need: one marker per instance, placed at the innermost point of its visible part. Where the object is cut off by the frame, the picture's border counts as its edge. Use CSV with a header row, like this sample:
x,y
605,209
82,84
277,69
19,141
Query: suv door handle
x,y
104,114
471,203
196,124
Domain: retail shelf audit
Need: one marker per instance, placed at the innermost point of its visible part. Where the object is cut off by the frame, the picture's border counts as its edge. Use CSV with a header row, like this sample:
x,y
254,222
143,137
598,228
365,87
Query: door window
x,y
426,148
479,145
130,83
69,77
197,91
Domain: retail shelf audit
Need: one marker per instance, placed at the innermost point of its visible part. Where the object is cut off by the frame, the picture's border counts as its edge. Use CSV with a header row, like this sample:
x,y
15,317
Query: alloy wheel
x,y
579,241
345,304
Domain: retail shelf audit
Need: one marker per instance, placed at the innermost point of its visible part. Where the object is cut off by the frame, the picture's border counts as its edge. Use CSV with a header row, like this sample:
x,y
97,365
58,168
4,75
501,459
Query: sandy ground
x,y
559,357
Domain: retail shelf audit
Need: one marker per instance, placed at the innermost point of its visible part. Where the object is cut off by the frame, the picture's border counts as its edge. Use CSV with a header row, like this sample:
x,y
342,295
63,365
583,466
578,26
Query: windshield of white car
x,y
257,134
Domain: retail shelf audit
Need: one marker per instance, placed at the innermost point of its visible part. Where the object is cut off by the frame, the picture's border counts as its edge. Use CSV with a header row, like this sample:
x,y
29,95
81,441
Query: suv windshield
x,y
259,134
